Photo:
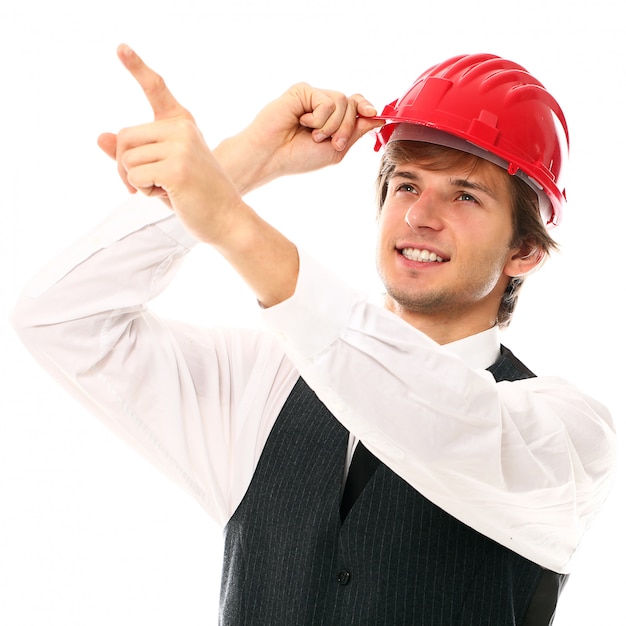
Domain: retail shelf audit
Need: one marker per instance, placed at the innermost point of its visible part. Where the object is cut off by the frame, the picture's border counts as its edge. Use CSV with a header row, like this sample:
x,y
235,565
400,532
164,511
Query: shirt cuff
x,y
174,228
317,313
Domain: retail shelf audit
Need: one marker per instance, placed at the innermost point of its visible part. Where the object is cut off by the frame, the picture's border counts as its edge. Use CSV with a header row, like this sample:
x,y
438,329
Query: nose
x,y
423,213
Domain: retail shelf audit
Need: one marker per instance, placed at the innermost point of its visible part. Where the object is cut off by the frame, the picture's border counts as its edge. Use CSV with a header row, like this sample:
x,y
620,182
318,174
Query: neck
x,y
443,327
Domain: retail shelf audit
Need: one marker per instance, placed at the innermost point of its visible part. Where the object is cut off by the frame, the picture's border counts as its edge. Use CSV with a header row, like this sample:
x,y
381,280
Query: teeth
x,y
413,254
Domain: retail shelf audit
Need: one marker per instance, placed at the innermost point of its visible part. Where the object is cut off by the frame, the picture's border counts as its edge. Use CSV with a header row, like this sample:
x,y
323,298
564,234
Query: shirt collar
x,y
478,351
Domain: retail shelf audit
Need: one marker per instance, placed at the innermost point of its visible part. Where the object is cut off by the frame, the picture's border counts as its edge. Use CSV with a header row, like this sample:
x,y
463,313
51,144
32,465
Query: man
x,y
483,476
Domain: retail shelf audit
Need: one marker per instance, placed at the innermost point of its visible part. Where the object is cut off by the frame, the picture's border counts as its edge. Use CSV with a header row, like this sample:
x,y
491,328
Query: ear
x,y
524,260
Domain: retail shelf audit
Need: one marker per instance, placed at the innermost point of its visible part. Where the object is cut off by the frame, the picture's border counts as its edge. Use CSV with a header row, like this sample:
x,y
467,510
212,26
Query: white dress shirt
x,y
526,463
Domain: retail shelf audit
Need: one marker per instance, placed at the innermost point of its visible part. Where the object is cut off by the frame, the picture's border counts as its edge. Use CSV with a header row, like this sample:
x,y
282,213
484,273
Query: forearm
x,y
265,259
244,163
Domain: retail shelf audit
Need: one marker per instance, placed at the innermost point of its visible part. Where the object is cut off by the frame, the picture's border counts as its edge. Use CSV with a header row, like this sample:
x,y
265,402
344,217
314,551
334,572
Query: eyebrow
x,y
455,182
472,184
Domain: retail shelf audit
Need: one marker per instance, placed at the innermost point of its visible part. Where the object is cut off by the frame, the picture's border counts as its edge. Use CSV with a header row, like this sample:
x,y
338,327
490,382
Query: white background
x,y
89,533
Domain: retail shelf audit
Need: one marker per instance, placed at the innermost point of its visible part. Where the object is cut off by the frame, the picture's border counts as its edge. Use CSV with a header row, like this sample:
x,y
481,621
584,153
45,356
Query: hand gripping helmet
x,y
493,108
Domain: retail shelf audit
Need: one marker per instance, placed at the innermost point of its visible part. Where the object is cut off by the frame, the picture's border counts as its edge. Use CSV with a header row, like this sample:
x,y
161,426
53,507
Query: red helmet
x,y
491,107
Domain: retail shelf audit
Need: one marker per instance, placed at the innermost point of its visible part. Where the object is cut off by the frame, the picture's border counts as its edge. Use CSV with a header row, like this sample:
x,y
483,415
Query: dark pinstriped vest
x,y
396,560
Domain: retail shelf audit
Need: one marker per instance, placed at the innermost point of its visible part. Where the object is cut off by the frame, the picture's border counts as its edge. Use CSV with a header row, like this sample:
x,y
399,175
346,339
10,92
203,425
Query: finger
x,y
143,155
142,177
364,107
359,119
363,126
335,116
151,133
145,178
107,142
127,141
161,100
341,126
328,109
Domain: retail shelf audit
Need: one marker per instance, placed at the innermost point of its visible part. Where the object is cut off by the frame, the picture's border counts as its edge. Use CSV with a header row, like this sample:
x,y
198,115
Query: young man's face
x,y
444,244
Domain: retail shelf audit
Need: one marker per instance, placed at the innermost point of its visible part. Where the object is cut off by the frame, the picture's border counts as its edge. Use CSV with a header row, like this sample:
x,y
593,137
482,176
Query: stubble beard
x,y
431,303
439,302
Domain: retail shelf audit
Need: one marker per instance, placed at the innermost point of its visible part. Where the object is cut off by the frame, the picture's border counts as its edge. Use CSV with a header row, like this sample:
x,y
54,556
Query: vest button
x,y
343,578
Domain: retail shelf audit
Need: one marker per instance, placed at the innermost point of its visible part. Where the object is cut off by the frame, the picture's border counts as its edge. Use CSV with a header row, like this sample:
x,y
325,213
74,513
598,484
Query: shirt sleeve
x,y
526,463
189,399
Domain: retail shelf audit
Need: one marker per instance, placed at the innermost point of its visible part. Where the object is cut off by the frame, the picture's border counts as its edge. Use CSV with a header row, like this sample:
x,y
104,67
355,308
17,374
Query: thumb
x,y
107,142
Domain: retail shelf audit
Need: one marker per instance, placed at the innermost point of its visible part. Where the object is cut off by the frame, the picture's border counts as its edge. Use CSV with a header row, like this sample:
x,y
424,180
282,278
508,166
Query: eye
x,y
467,197
405,187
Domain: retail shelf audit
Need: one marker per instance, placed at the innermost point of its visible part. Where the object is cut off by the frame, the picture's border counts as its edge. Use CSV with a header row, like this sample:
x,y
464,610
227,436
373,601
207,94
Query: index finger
x,y
163,103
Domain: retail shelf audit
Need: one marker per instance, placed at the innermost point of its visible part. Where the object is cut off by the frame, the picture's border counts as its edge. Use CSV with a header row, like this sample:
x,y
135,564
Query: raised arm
x,y
198,403
303,130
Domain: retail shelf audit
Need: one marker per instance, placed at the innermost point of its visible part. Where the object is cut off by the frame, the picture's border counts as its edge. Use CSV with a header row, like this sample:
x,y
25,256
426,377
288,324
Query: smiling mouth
x,y
424,256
